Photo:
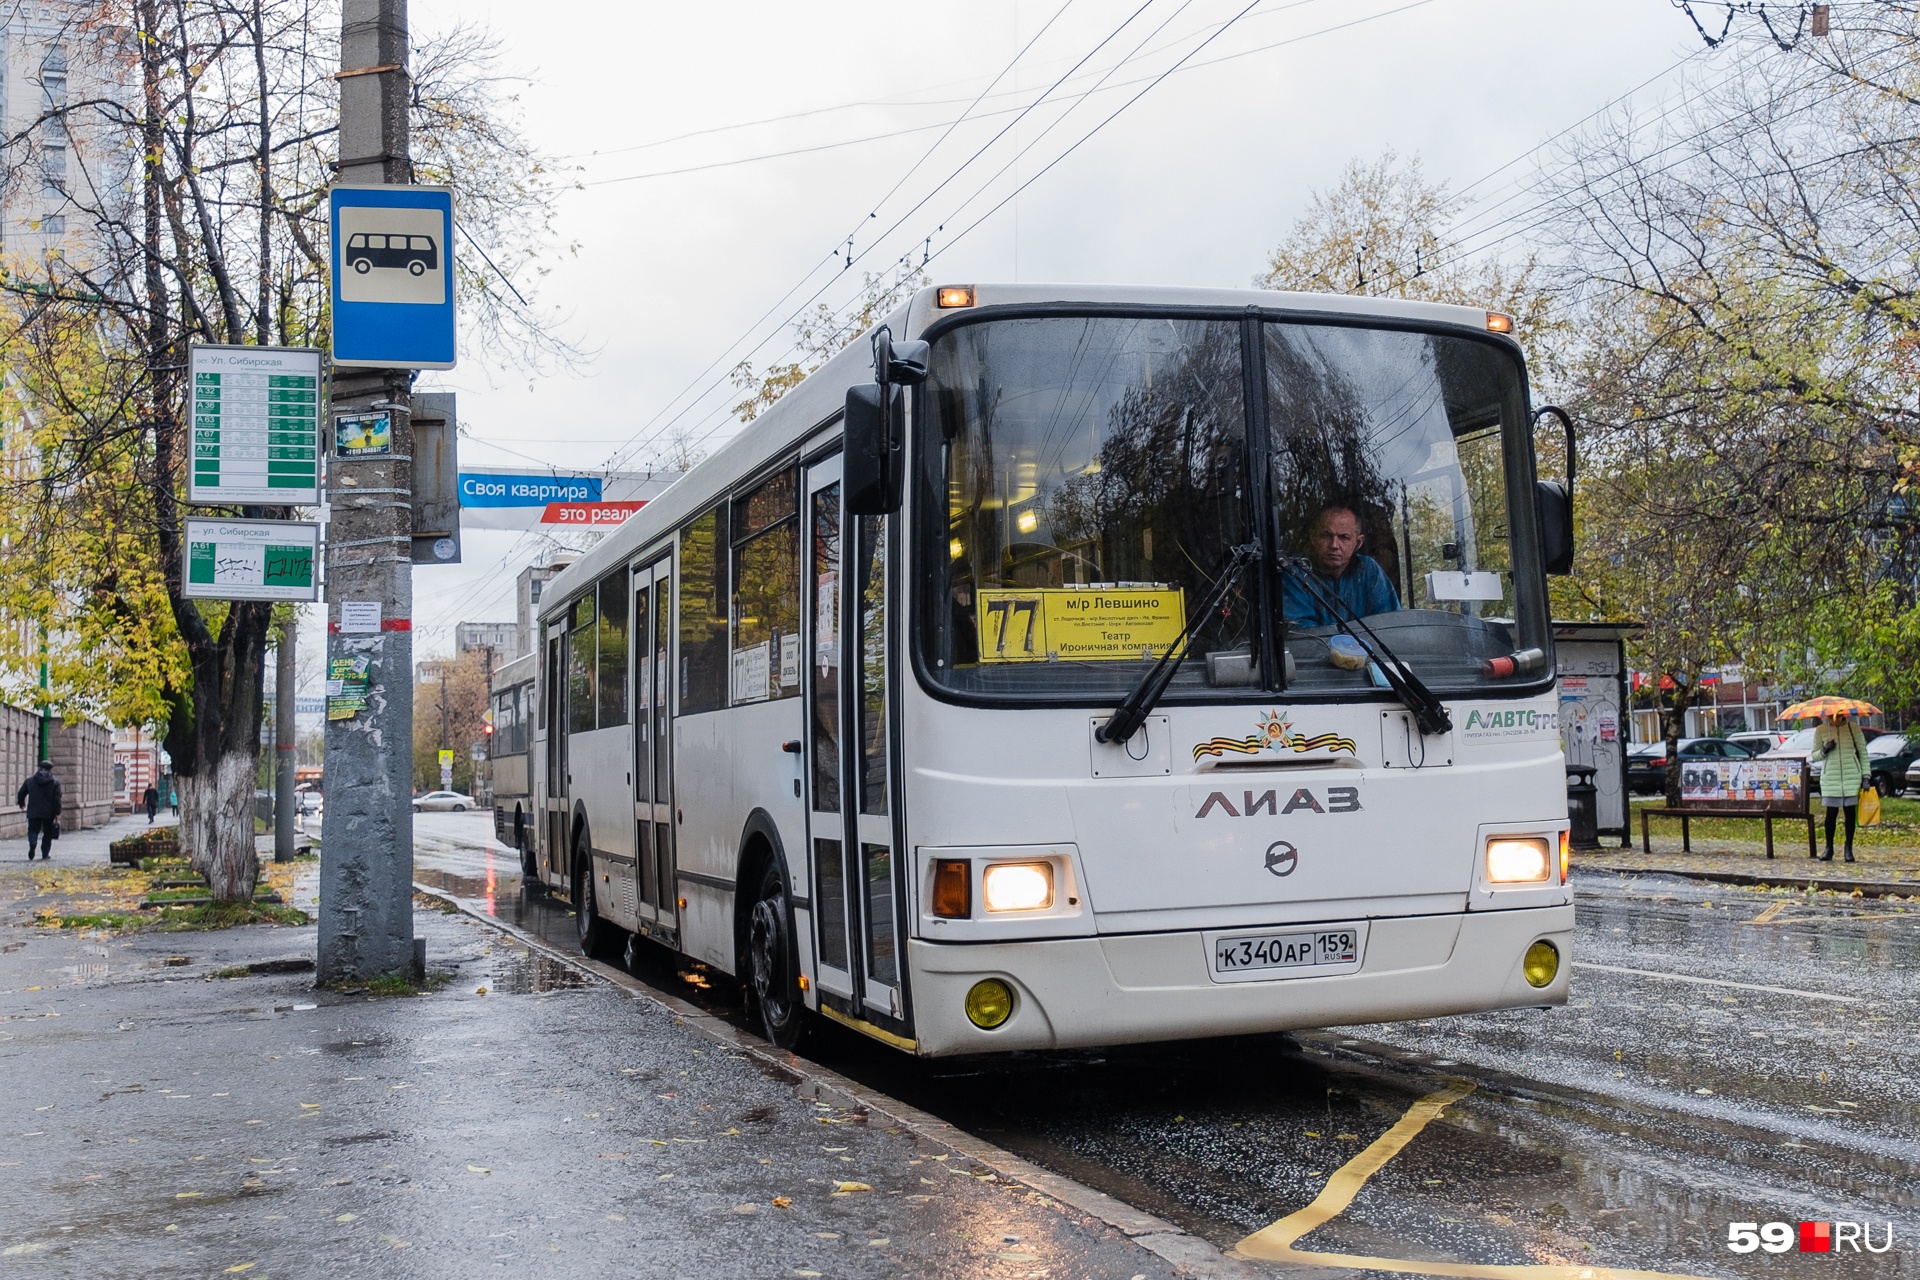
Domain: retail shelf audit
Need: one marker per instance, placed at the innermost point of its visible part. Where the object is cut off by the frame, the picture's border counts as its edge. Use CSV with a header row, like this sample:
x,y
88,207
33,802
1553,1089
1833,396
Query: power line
x,y
1150,82
851,258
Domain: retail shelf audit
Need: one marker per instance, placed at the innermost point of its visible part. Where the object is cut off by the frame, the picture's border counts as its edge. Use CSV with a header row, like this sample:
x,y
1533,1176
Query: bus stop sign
x,y
393,277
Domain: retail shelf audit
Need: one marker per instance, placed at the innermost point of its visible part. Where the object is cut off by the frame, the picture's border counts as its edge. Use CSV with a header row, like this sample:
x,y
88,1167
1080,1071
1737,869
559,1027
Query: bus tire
x,y
595,934
773,966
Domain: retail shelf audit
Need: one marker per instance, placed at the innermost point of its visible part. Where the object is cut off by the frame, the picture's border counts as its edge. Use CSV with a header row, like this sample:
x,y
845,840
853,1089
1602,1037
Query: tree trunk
x,y
1673,727
216,806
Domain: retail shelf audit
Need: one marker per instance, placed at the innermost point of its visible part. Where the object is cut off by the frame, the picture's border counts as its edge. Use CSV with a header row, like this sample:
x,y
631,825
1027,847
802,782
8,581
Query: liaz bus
x,y
510,757
1073,666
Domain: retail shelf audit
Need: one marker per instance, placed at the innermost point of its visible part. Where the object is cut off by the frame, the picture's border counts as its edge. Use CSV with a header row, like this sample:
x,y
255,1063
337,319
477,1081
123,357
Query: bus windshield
x,y
1098,470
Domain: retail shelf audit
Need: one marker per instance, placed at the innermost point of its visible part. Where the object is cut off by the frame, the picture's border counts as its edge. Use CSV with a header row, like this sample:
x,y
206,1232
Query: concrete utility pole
x,y
284,742
366,862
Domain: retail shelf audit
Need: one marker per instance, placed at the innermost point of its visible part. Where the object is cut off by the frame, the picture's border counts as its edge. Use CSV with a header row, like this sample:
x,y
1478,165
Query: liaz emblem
x,y
1275,733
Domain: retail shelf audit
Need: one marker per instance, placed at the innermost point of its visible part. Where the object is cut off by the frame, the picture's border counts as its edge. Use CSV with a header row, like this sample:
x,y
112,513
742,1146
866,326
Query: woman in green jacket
x,y
1842,751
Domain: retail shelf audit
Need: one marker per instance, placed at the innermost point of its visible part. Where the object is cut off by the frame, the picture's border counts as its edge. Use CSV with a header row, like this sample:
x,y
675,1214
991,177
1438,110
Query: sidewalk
x,y
1877,871
167,1119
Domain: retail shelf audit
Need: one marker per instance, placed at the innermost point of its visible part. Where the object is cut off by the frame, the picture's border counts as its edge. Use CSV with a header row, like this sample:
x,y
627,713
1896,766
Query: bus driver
x,y
1356,579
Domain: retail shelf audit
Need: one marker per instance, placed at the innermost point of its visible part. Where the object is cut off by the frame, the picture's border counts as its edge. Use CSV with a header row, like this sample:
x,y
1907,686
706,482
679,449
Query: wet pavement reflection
x,y
1728,1056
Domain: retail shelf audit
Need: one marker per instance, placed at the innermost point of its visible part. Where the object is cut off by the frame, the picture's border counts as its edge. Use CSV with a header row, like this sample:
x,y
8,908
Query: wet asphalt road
x,y
1728,1056
169,1113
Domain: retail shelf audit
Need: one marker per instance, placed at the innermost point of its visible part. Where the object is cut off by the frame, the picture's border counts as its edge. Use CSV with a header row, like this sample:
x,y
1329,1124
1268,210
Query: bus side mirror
x,y
1553,508
1553,503
874,448
871,449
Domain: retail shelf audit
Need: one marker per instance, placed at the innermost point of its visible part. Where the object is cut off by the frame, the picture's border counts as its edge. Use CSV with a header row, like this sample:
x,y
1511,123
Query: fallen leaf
x,y
729,1133
309,1106
348,1217
479,991
746,1208
188,1195
477,1168
15,1250
875,1244
782,1202
394,1242
851,1186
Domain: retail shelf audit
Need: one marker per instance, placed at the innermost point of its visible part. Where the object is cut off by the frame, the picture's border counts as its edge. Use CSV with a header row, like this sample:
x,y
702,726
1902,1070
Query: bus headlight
x,y
989,1003
1542,962
1018,886
1517,861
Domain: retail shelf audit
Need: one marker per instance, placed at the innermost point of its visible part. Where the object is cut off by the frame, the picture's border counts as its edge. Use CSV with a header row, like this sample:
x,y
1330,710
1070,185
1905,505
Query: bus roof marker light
x,y
1542,963
956,295
1497,323
989,1003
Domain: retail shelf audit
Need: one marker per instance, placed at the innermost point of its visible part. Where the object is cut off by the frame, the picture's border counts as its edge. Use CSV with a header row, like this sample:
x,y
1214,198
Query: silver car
x,y
443,802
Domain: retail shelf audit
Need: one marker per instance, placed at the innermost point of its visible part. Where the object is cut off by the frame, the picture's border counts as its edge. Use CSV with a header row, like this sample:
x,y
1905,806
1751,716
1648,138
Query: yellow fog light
x,y
1511,861
1018,886
1540,966
990,1003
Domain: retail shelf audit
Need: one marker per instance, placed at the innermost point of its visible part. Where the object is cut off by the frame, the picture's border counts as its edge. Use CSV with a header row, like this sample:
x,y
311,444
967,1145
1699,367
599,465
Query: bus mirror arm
x,y
1428,711
874,427
1133,712
1553,504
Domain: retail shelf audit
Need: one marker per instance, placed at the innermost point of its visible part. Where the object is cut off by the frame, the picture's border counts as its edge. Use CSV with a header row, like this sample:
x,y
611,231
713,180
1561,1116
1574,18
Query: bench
x,y
1687,812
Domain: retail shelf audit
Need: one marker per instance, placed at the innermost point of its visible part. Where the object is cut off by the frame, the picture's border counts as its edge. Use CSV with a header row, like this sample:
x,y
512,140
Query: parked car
x,y
1890,757
443,802
1760,741
1647,762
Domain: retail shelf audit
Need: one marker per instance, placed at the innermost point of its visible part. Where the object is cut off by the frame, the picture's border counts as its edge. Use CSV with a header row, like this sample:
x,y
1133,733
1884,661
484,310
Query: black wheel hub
x,y
767,951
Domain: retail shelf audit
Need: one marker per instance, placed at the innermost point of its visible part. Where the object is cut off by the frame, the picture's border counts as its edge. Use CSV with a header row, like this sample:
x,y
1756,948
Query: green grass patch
x,y
1898,828
237,971
226,915
119,921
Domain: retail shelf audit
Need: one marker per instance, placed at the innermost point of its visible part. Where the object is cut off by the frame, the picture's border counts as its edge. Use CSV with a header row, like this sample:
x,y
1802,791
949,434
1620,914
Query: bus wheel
x,y
594,932
772,965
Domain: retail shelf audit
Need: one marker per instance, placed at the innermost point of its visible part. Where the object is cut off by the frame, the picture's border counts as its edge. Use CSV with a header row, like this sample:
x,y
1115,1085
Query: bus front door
x,y
652,751
857,889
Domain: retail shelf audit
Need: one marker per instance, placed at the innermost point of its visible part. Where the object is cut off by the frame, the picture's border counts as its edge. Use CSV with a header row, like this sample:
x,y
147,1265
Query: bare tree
x,y
196,142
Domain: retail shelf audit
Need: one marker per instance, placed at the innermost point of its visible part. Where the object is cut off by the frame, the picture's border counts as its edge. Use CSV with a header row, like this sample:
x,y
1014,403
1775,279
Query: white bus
x,y
510,756
1074,666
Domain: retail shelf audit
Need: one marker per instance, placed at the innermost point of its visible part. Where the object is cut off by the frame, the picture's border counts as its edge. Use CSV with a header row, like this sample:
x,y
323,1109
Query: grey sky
x,y
1192,184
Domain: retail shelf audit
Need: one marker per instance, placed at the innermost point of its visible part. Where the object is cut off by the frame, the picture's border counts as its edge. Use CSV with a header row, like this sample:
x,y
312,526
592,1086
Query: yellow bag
x,y
1869,807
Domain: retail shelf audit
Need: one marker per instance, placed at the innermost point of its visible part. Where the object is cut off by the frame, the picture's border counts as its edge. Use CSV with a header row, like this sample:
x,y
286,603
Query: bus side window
x,y
582,661
703,615
613,649
766,591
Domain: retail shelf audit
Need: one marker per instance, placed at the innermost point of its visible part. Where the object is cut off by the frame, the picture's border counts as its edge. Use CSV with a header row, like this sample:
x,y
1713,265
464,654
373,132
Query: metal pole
x,y
284,741
46,699
366,864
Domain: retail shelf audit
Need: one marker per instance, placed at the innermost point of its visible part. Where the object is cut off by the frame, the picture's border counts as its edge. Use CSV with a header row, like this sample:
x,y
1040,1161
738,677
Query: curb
x,y
1175,1245
1867,888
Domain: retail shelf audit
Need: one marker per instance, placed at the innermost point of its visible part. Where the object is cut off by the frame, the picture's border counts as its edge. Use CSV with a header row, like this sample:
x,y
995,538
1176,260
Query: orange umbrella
x,y
1827,705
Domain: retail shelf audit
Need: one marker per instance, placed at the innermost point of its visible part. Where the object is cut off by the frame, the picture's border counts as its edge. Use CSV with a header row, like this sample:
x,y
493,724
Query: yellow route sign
x,y
1079,624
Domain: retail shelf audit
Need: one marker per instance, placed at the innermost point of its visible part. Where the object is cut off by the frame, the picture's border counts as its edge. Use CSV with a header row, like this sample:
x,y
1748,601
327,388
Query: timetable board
x,y
256,426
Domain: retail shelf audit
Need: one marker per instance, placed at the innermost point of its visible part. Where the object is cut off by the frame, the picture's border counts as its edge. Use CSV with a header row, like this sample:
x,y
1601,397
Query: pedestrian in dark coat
x,y
152,801
40,797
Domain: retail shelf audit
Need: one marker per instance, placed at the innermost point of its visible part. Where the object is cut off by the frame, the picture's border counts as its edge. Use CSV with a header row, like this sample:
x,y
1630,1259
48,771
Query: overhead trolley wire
x,y
851,258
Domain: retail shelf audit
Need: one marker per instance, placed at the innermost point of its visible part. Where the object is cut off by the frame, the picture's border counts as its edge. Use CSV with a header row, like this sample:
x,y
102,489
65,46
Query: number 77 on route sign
x,y
393,277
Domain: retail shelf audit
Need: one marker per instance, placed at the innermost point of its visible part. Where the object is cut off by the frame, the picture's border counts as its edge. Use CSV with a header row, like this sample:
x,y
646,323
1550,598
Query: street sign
x,y
393,277
256,426
252,560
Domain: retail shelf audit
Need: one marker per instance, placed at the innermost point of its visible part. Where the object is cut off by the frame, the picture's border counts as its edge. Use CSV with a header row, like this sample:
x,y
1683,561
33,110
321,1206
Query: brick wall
x,y
82,755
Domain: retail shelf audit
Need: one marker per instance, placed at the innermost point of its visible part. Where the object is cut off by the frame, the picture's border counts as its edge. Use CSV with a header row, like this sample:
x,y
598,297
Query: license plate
x,y
1315,951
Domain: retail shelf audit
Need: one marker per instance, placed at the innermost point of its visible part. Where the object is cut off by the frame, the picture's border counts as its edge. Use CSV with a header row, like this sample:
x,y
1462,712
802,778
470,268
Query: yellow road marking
x,y
1275,1243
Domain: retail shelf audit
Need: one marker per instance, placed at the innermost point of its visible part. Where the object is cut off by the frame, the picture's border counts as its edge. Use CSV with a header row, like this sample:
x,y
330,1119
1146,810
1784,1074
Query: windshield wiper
x,y
1428,711
1132,713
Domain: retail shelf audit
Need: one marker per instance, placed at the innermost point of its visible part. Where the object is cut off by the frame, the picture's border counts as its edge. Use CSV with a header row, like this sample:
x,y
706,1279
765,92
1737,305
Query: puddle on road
x,y
522,973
